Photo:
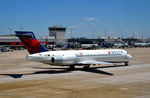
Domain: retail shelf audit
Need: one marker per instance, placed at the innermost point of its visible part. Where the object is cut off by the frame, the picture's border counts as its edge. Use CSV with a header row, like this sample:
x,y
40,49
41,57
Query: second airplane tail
x,y
30,42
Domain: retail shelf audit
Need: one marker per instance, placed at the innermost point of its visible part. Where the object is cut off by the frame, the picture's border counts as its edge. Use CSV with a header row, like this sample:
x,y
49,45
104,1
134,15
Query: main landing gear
x,y
86,67
72,67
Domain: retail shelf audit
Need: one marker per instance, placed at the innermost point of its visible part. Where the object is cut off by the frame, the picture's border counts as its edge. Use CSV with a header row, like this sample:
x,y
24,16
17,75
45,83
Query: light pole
x,y
93,34
121,35
10,30
142,36
105,31
133,34
70,31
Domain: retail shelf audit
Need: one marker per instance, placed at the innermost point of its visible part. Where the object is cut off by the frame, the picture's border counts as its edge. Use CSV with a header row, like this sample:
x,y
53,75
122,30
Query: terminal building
x,y
14,42
58,32
10,41
57,36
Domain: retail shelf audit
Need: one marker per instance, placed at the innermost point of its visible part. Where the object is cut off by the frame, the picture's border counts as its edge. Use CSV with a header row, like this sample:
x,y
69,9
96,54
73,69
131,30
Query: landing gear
x,y
52,60
86,67
126,64
72,67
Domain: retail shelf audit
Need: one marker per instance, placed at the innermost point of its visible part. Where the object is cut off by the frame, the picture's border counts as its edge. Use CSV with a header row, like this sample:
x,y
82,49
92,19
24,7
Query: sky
x,y
86,18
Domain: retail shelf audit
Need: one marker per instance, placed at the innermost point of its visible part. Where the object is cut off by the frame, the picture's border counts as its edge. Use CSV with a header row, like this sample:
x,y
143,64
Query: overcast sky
x,y
87,18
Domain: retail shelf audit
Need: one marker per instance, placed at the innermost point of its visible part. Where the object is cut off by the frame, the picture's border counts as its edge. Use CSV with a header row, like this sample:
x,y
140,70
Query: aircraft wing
x,y
89,62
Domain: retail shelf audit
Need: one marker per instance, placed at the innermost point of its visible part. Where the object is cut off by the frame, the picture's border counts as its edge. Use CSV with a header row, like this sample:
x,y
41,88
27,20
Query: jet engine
x,y
57,60
63,59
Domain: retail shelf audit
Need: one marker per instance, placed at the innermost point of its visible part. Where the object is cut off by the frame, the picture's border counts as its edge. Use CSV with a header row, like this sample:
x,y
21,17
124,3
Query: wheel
x,y
72,67
86,67
126,64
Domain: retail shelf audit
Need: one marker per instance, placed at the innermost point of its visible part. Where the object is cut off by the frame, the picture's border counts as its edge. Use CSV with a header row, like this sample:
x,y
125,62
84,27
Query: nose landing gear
x,y
52,60
126,63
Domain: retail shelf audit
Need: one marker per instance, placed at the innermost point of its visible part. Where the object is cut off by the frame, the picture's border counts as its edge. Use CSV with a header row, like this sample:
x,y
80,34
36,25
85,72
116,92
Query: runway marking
x,y
145,96
62,92
124,88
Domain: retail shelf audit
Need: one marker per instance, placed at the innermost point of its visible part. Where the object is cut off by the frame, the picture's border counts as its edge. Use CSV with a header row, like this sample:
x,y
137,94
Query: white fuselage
x,y
73,57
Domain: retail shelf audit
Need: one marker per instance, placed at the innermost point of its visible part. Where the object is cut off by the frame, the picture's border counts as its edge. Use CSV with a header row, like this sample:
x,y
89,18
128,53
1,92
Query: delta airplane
x,y
70,58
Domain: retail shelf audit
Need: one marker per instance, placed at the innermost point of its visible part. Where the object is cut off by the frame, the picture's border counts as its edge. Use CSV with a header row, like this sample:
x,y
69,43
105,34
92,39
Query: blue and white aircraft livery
x,y
70,58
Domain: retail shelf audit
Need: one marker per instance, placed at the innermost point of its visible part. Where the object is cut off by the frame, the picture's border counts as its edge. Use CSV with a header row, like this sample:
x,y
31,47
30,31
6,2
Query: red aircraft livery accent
x,y
108,52
33,43
30,42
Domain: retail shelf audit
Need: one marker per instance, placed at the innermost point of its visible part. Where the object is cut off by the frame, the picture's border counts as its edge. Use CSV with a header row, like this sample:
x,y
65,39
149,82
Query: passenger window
x,y
48,55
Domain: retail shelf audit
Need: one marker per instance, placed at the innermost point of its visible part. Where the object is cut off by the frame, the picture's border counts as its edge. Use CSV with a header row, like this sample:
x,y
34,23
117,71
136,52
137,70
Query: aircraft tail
x,y
30,42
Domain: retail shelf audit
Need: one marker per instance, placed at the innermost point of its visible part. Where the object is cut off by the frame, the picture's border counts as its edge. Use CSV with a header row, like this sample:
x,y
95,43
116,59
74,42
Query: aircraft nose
x,y
129,56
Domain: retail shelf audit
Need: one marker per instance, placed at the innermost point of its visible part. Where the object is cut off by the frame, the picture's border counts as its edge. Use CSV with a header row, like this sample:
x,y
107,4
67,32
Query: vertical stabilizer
x,y
30,42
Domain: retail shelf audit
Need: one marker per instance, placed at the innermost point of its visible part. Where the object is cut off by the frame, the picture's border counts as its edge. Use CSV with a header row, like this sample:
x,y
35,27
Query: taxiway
x,y
26,79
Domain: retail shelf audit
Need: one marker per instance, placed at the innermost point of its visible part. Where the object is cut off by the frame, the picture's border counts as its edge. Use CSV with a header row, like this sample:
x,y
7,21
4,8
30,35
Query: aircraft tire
x,y
86,67
72,67
126,64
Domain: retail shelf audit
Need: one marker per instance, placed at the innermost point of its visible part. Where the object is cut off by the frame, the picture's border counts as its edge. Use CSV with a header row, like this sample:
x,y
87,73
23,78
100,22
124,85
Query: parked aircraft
x,y
120,45
70,57
141,44
89,46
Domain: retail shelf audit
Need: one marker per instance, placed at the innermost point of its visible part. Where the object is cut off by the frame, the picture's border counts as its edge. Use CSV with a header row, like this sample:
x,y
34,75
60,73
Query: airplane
x,y
70,58
141,44
88,46
120,45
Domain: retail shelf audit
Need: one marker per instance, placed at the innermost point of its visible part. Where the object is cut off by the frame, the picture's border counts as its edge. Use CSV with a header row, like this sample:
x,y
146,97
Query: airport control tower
x,y
58,32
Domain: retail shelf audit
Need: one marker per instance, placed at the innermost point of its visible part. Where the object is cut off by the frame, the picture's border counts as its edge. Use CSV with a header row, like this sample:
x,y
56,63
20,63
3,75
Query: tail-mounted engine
x,y
63,59
57,60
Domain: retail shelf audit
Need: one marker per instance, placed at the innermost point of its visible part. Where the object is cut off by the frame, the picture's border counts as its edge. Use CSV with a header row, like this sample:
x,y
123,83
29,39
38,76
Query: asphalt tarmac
x,y
25,79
